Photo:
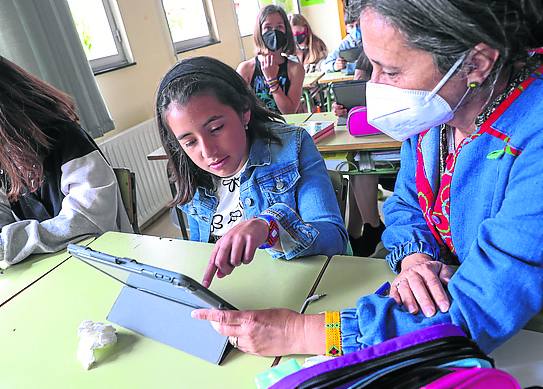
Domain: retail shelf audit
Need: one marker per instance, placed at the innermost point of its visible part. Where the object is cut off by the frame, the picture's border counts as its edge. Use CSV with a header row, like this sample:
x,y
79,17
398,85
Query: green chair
x,y
127,185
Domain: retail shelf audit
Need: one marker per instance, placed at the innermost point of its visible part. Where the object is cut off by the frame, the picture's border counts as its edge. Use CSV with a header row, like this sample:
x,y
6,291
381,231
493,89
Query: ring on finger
x,y
398,283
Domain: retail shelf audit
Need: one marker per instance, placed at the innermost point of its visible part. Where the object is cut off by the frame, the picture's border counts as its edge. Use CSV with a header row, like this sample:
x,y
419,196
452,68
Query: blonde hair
x,y
317,48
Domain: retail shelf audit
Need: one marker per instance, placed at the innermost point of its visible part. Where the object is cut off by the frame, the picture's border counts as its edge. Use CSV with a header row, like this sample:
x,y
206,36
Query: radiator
x,y
129,149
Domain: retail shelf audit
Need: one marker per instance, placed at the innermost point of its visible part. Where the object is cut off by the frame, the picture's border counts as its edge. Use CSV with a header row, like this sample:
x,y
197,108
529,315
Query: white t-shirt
x,y
229,210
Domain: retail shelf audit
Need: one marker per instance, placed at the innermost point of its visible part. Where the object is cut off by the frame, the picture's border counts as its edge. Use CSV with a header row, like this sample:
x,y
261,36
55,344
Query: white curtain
x,y
40,36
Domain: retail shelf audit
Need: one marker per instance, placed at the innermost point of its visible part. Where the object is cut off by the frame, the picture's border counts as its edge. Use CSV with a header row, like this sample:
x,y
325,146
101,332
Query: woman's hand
x,y
338,109
269,332
270,67
237,246
422,283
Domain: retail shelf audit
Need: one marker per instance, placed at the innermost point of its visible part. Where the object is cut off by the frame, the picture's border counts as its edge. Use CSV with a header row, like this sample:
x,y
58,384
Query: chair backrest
x,y
127,185
340,185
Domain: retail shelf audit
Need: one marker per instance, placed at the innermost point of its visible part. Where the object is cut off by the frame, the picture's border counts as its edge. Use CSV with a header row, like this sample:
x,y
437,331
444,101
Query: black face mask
x,y
300,38
274,40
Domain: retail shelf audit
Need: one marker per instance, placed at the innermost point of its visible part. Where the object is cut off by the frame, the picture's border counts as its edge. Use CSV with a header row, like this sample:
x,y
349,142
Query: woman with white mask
x,y
461,83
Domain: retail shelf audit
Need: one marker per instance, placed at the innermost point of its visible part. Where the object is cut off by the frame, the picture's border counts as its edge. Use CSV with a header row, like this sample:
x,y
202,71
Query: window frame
x,y
123,57
194,43
257,3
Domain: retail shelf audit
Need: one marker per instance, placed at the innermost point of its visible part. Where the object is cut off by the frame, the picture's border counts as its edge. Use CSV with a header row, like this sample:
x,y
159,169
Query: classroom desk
x,y
342,140
522,356
330,78
311,79
309,85
39,326
20,276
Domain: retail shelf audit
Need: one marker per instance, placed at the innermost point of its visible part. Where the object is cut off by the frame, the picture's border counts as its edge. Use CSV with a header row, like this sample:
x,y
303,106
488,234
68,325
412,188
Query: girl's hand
x,y
269,332
338,109
237,246
270,67
421,283
340,64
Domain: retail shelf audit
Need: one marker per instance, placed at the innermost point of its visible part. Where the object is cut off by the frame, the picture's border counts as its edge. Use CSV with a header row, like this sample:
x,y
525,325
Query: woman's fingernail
x,y
443,307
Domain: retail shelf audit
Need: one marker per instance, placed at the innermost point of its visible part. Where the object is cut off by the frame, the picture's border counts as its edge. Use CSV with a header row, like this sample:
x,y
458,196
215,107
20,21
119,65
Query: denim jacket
x,y
496,218
289,182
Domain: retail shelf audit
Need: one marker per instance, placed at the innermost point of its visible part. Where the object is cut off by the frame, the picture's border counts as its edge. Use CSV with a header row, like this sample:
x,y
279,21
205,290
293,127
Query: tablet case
x,y
161,318
350,93
350,55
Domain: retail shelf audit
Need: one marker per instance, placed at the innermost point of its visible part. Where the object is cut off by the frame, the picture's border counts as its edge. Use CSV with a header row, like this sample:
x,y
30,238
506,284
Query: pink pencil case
x,y
357,122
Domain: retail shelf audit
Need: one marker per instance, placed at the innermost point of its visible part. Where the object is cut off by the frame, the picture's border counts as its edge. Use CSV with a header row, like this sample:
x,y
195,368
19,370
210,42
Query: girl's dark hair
x,y
257,33
449,28
204,76
28,106
317,48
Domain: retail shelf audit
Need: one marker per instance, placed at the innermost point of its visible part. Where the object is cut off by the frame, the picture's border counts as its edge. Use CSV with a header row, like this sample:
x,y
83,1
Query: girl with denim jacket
x,y
456,80
244,179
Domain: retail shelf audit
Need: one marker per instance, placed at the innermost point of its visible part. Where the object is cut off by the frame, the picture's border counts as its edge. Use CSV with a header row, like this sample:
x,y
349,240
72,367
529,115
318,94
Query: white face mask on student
x,y
403,113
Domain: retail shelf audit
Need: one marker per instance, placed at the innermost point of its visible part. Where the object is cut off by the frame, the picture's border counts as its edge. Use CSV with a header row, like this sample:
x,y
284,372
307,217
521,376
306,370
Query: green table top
x,y
19,276
296,118
39,326
345,280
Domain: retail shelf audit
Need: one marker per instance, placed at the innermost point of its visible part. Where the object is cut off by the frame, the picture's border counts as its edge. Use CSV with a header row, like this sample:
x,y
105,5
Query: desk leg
x,y
329,98
180,217
307,98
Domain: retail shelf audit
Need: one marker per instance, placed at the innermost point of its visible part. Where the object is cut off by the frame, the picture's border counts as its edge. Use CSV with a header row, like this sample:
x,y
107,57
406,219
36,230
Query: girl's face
x,y
299,30
273,21
211,134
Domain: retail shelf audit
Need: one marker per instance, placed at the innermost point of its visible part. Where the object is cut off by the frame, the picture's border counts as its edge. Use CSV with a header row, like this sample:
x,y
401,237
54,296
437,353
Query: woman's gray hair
x,y
449,28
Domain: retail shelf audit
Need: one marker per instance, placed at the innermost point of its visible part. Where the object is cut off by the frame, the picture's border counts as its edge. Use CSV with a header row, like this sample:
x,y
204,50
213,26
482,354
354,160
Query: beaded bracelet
x,y
274,89
332,327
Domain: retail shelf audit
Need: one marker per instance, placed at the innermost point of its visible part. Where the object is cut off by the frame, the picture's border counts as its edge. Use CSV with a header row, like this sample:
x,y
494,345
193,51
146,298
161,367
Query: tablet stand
x,y
156,315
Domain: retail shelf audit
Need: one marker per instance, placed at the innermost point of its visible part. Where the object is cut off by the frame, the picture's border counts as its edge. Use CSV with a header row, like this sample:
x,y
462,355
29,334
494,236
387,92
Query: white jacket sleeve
x,y
92,205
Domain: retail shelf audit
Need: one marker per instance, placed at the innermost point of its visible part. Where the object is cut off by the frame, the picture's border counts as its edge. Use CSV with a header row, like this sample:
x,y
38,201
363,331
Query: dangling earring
x,y
246,127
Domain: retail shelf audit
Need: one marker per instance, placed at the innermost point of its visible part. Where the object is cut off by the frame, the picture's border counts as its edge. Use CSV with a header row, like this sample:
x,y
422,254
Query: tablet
x,y
350,55
188,291
350,93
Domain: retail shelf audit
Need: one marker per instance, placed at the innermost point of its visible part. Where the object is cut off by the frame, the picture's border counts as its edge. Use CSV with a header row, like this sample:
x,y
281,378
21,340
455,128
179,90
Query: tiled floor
x,y
163,227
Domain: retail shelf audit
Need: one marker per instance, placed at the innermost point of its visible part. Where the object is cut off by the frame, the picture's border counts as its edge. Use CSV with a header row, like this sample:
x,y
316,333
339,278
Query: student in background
x,y
363,190
55,185
244,179
334,62
276,80
310,49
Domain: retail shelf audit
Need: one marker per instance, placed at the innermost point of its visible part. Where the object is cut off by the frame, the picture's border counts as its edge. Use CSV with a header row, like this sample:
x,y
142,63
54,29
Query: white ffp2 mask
x,y
402,113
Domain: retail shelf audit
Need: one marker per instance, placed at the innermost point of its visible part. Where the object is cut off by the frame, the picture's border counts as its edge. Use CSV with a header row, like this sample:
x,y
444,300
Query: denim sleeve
x,y
406,229
497,288
193,224
328,64
316,227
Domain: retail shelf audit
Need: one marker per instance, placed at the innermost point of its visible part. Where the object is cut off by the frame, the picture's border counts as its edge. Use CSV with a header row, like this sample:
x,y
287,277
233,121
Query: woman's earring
x,y
246,127
473,84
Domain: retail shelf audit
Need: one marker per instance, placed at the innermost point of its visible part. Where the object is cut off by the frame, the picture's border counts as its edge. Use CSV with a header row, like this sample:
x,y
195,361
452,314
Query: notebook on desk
x,y
318,129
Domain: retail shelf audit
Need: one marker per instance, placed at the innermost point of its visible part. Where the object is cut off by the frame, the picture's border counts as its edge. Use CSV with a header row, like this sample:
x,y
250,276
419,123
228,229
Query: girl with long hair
x,y
276,80
244,179
55,185
310,49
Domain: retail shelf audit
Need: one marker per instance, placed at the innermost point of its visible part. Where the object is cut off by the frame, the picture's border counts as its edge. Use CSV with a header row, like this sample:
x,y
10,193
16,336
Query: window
x,y
246,11
189,24
100,30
